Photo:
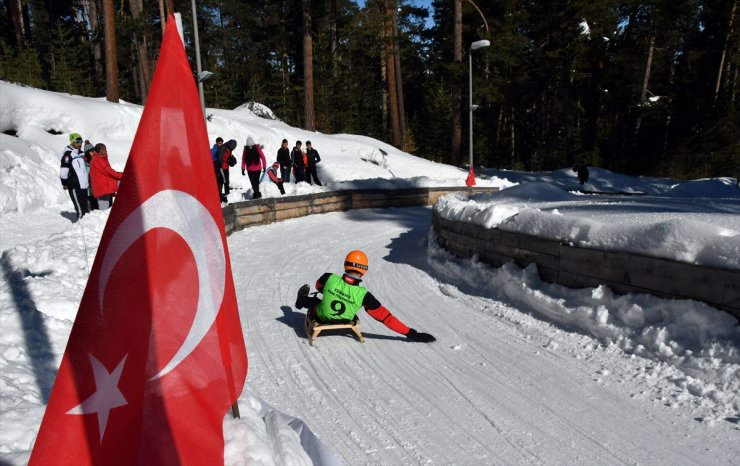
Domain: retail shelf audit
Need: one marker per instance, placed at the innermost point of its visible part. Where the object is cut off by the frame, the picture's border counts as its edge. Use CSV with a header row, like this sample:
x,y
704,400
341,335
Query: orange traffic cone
x,y
471,177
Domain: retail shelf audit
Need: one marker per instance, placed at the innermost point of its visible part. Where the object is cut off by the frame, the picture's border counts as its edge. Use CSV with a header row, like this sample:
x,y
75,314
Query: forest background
x,y
638,87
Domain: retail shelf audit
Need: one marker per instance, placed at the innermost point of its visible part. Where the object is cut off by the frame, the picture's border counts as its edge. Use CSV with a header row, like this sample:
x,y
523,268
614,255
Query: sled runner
x,y
314,328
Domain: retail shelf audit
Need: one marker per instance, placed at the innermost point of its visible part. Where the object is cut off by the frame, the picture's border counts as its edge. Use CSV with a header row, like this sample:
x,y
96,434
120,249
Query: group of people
x,y
301,164
254,164
87,176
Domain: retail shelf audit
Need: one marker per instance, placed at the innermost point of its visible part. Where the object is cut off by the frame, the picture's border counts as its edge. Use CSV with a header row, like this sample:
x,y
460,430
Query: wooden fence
x,y
578,267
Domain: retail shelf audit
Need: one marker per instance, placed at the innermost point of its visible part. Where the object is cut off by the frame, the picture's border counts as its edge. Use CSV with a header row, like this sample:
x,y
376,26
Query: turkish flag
x,y
156,355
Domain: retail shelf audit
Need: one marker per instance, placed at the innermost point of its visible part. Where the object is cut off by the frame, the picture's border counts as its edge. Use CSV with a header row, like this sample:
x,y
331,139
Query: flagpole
x,y
197,59
235,407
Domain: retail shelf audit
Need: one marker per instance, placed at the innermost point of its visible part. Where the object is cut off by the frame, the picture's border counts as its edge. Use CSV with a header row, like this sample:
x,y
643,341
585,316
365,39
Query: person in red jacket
x,y
272,172
343,297
103,177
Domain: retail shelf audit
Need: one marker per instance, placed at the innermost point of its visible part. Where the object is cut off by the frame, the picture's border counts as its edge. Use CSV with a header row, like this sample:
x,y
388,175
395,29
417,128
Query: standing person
x,y
73,174
103,178
214,149
272,172
222,168
283,158
312,156
253,161
583,173
299,169
342,297
88,150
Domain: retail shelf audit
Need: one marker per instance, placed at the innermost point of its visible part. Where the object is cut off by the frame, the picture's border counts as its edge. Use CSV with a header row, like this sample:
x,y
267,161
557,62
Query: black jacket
x,y
297,157
313,157
283,157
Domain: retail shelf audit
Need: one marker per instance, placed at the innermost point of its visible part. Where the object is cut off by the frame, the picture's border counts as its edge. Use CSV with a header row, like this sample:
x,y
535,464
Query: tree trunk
x,y
733,84
139,45
93,19
514,164
456,90
645,82
384,87
399,79
724,51
112,93
331,14
648,66
162,16
15,11
396,139
308,102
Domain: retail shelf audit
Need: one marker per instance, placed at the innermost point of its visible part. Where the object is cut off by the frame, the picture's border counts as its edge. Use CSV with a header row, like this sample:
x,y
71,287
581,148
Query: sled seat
x,y
314,328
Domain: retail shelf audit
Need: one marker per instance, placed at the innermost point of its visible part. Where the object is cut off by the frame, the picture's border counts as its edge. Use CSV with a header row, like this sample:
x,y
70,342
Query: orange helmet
x,y
356,261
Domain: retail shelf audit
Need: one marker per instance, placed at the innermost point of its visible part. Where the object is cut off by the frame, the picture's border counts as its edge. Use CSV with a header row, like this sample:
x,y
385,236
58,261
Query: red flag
x,y
156,355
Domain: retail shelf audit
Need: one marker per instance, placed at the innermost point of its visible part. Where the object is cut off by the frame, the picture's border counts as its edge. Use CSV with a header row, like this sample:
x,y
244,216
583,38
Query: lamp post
x,y
474,46
197,59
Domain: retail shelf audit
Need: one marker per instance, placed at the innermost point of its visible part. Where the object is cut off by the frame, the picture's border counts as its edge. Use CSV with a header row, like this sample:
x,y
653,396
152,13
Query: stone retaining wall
x,y
240,215
578,267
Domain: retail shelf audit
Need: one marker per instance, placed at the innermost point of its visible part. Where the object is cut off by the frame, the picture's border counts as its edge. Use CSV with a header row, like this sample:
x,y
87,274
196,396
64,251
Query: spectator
x,y
214,149
299,169
312,156
283,158
253,161
88,150
103,178
272,172
221,165
582,170
73,174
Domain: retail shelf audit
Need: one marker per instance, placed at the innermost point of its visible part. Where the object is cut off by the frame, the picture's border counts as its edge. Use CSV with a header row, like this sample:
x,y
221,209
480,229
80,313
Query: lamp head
x,y
479,44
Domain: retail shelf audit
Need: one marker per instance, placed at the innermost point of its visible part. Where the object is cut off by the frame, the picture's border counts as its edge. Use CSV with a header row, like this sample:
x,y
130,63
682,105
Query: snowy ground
x,y
522,371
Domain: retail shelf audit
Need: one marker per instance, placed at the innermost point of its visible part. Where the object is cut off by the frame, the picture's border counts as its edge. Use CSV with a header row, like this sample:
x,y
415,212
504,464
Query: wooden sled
x,y
313,329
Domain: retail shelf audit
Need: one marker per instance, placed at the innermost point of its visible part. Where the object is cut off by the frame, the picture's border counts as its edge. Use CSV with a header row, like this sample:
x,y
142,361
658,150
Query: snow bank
x,y
695,347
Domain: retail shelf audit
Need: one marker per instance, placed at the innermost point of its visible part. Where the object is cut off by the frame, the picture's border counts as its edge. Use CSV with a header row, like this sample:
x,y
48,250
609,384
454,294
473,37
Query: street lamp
x,y
474,46
197,59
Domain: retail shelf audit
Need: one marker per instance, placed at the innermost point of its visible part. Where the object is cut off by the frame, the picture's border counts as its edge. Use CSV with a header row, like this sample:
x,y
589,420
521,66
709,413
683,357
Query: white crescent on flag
x,y
185,215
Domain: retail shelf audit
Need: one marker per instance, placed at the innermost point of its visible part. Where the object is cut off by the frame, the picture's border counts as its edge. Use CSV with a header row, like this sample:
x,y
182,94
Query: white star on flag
x,y
107,395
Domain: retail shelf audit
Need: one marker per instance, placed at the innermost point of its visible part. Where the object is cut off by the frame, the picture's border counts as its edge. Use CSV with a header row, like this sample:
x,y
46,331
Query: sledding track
x,y
497,387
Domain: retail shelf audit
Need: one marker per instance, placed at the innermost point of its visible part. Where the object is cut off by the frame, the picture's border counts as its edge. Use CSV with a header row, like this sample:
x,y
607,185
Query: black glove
x,y
242,172
413,335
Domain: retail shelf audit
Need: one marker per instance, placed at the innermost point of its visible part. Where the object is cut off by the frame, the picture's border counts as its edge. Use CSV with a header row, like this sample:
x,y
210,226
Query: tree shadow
x,y
38,345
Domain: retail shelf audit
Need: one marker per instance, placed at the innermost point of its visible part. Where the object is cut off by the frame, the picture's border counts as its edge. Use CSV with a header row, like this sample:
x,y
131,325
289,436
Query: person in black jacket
x,y
221,165
283,158
299,167
313,158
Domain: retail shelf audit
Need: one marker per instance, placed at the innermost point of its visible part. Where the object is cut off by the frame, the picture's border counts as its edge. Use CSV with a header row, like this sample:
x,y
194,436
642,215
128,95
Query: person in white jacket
x,y
73,174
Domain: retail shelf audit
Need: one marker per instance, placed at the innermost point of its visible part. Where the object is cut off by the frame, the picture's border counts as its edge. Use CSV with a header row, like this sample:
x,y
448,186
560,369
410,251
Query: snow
x,y
523,371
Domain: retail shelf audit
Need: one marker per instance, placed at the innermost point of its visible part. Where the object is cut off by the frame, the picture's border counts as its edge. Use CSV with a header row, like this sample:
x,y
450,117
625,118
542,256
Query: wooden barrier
x,y
577,267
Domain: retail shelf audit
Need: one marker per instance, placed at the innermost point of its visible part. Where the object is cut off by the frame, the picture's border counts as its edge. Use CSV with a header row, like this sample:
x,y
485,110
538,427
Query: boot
x,y
302,293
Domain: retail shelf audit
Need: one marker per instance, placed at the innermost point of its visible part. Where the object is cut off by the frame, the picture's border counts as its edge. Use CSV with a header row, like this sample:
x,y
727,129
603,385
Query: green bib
x,y
341,300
